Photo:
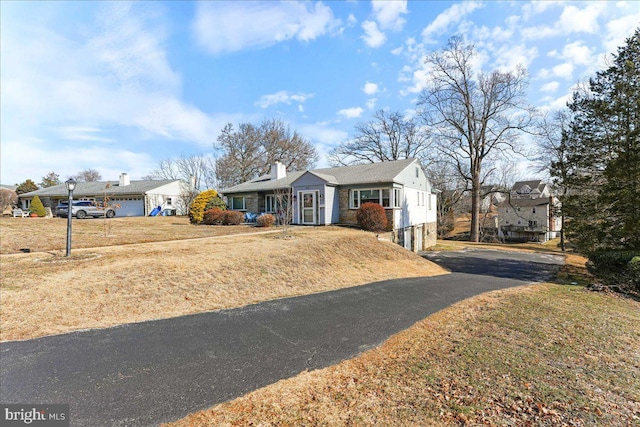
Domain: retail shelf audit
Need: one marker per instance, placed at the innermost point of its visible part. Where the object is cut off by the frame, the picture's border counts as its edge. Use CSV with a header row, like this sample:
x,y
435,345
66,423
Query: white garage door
x,y
131,206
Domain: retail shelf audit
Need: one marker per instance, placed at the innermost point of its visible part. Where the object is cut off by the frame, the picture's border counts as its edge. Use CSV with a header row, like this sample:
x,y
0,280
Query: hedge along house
x,y
135,198
333,196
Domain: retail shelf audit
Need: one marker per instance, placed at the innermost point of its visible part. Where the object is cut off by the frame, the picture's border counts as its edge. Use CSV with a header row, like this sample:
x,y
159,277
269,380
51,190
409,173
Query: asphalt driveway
x,y
147,373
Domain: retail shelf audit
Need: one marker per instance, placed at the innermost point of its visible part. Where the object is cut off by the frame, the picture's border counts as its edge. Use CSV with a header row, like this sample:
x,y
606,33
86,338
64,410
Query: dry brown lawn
x,y
50,234
541,355
45,293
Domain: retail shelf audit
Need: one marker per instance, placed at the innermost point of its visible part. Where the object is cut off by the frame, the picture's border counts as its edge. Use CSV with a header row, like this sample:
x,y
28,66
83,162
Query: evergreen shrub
x,y
199,204
37,207
616,268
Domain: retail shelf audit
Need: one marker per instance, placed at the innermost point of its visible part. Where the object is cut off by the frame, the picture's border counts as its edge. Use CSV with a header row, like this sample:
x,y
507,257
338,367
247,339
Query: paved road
x,y
152,372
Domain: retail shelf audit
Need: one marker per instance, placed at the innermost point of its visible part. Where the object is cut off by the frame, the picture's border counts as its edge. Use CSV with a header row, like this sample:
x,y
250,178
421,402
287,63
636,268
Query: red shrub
x,y
372,217
232,218
213,216
266,220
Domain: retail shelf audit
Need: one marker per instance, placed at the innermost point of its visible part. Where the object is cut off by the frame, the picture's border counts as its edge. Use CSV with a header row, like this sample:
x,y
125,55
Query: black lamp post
x,y
71,185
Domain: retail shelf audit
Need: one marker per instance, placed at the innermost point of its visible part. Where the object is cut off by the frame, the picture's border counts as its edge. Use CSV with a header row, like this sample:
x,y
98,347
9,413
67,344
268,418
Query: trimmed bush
x,y
213,216
232,218
372,217
266,220
37,207
616,268
216,202
199,204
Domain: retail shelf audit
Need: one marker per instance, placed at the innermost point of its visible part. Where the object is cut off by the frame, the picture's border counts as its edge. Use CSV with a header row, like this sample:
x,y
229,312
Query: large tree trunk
x,y
475,208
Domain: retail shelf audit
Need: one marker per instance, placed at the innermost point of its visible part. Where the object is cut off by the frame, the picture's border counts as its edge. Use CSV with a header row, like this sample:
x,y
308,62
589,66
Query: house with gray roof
x,y
333,196
529,213
133,197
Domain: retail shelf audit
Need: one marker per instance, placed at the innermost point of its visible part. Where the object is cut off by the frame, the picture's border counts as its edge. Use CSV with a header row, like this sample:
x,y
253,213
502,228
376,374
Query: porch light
x,y
71,185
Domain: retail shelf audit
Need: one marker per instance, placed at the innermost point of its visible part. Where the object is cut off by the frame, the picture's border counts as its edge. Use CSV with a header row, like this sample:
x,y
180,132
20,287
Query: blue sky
x,y
117,86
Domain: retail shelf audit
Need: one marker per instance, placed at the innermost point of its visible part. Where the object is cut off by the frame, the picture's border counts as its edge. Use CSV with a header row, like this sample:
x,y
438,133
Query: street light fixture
x,y
71,185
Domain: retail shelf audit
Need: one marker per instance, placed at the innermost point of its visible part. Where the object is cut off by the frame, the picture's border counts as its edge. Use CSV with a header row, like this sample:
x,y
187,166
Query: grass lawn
x,y
44,293
542,355
50,234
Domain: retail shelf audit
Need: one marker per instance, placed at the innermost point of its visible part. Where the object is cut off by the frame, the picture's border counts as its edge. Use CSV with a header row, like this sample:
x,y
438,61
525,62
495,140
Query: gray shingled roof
x,y
87,189
371,173
533,184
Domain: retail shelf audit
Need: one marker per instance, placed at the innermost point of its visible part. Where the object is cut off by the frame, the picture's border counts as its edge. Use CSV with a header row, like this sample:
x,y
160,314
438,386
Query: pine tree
x,y
603,203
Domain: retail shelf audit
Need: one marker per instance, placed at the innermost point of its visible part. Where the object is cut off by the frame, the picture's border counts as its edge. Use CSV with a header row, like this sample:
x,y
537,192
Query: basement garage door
x,y
130,206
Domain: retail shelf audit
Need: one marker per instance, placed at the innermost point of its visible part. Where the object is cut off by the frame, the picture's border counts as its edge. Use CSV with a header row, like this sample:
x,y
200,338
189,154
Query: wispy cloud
x,y
351,113
448,18
283,97
223,27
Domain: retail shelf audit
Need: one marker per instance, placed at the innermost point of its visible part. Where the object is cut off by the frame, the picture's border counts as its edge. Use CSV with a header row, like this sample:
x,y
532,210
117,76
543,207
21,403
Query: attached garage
x,y
129,206
135,198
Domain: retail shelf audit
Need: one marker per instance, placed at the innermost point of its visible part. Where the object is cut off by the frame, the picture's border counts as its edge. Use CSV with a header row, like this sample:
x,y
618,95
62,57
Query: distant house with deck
x,y
529,213
134,197
333,196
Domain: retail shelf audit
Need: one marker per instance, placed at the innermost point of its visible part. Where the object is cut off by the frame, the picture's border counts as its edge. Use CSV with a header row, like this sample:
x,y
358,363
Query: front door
x,y
308,208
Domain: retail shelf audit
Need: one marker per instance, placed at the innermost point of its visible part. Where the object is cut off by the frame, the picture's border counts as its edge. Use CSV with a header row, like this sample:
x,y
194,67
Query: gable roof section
x,y
86,189
370,173
535,184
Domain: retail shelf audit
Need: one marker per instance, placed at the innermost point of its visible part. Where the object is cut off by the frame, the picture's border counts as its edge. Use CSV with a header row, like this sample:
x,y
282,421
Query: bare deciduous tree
x,y
197,171
473,117
389,136
553,152
8,198
249,152
87,175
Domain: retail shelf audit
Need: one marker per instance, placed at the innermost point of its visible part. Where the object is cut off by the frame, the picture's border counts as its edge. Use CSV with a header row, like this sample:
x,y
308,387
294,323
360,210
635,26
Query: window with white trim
x,y
382,196
237,203
397,198
270,203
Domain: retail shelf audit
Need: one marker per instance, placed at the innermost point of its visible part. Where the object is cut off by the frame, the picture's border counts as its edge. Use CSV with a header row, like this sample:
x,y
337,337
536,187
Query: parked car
x,y
85,208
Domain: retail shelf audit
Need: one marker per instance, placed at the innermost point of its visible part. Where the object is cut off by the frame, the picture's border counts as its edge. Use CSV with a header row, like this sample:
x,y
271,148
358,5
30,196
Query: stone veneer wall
x,y
430,234
251,202
347,216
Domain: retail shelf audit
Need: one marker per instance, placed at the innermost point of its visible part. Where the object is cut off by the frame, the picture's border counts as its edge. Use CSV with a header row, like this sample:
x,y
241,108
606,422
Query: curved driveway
x,y
147,373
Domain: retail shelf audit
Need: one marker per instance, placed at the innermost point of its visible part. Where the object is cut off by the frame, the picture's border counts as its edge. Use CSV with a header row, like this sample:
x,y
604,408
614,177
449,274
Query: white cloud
x,y
618,30
448,18
222,27
66,87
351,113
371,103
576,20
282,97
388,13
550,87
83,133
573,19
373,37
370,88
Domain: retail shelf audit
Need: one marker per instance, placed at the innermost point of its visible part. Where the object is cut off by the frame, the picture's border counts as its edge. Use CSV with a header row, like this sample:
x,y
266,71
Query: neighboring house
x,y
491,197
528,214
333,196
135,198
